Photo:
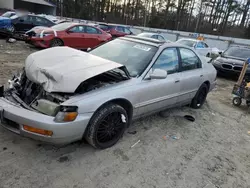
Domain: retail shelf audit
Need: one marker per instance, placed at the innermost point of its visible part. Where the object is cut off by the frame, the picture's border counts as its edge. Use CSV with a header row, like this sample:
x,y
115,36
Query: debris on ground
x,y
132,132
189,118
11,40
135,143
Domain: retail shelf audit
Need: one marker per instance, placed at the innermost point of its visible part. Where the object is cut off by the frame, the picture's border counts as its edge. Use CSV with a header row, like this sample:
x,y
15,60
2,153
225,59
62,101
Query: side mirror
x,y
89,49
21,20
158,74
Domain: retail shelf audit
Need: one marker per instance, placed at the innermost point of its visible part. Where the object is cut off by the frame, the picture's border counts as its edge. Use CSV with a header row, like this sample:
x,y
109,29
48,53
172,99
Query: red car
x,y
115,30
80,36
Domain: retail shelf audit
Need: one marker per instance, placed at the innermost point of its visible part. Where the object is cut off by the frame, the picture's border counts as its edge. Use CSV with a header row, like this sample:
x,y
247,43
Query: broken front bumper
x,y
14,117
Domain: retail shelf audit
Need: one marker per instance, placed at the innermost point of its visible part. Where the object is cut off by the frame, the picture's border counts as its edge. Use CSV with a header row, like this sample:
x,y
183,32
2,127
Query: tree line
x,y
218,17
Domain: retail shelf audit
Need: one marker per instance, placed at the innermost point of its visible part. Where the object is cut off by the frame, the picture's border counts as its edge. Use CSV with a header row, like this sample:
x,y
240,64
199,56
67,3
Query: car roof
x,y
145,40
188,39
150,33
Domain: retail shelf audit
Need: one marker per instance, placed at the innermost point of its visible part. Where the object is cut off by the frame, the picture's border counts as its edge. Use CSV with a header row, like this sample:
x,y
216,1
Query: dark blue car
x,y
23,23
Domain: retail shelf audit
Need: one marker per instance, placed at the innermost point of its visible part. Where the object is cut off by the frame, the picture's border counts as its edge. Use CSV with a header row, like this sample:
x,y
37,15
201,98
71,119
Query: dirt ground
x,y
212,152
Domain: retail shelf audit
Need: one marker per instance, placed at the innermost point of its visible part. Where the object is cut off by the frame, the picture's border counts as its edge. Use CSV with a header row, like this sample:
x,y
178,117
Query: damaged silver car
x,y
64,95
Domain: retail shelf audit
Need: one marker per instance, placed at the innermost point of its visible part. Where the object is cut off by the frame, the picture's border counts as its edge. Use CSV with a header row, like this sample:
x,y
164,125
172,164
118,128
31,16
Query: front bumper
x,y
230,69
13,117
38,42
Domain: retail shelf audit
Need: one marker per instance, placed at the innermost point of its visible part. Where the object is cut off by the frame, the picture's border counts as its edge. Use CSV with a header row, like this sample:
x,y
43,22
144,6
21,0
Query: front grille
x,y
226,66
238,68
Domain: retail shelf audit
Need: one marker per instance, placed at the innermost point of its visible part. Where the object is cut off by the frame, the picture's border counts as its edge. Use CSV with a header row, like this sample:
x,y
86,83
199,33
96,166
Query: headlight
x,y
66,114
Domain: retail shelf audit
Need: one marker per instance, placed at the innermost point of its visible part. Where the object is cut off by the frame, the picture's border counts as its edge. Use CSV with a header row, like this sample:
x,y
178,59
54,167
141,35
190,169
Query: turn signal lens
x,y
70,116
38,131
66,114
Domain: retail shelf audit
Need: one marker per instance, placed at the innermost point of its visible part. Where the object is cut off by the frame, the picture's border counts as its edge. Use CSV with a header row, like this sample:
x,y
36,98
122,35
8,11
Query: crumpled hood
x,y
63,69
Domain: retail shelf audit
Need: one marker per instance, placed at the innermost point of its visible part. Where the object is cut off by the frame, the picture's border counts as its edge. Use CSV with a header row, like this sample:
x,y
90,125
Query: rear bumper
x,y
38,42
13,118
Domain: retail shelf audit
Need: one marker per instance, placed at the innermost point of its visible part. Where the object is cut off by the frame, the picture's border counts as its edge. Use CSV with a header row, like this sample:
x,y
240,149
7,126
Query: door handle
x,y
201,75
176,81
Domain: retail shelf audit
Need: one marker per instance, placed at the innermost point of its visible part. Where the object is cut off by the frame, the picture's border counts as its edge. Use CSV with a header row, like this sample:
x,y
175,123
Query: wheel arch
x,y
208,84
57,38
126,104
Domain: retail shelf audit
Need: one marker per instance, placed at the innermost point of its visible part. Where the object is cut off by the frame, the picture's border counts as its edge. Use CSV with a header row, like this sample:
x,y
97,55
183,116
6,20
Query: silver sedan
x,y
64,95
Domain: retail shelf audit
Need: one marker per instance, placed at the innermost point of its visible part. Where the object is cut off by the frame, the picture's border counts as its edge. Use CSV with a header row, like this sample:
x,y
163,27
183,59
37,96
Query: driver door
x,y
159,94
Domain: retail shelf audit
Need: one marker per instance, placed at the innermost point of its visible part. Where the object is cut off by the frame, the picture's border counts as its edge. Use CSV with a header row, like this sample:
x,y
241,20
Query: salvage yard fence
x,y
220,42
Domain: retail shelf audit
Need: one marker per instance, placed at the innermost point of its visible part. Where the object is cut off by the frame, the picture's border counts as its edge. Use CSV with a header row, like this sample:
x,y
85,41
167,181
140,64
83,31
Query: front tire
x,y
200,97
237,101
56,42
107,126
11,29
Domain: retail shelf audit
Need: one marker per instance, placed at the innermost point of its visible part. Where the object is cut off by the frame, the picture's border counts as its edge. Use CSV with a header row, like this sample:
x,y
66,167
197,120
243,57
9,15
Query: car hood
x,y
4,22
63,69
230,60
4,18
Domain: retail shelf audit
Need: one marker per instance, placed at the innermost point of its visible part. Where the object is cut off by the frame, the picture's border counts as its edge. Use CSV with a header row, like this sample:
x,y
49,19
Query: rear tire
x,y
107,126
208,55
200,97
56,42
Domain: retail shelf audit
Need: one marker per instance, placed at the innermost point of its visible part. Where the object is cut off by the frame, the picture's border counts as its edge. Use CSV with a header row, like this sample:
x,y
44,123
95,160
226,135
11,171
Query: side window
x,y
205,45
127,31
120,29
161,38
199,45
155,37
92,30
189,60
77,29
168,60
104,27
40,21
25,19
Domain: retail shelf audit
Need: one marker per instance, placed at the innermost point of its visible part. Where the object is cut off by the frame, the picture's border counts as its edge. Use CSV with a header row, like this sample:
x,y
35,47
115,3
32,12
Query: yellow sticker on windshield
x,y
142,47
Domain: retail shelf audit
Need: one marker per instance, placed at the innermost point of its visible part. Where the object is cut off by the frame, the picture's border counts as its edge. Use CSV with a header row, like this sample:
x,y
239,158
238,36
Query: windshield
x,y
8,14
188,43
242,53
62,26
135,56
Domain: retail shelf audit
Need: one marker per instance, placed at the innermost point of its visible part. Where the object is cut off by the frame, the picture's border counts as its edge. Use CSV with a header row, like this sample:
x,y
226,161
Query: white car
x,y
200,46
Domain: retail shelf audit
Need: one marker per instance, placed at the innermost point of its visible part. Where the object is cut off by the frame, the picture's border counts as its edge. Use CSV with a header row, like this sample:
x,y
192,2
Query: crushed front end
x,y
27,109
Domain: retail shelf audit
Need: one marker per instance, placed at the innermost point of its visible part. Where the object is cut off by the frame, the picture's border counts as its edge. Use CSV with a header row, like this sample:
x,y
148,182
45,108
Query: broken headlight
x,y
66,114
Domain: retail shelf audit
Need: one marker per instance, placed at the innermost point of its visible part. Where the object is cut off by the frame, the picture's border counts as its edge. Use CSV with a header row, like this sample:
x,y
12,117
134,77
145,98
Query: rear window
x,y
242,53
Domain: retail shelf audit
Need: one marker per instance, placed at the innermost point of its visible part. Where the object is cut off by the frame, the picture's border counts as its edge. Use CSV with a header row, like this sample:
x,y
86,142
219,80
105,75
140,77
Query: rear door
x,y
157,94
191,74
75,37
93,37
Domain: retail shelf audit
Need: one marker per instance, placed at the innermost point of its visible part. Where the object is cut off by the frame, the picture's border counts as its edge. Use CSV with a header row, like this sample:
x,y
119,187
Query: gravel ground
x,y
212,152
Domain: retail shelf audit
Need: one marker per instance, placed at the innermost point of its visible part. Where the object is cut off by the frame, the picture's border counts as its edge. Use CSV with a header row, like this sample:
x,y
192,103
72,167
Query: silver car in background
x,y
64,95
201,47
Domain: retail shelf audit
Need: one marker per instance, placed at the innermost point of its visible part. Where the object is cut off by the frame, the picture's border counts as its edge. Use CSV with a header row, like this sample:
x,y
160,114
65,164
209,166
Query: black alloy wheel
x,y
107,126
200,97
